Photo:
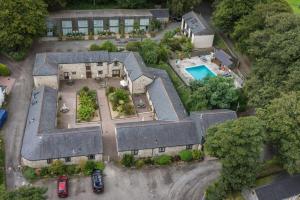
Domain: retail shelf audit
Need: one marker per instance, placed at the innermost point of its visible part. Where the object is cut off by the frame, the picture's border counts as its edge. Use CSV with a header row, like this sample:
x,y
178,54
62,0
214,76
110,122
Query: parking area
x,y
177,182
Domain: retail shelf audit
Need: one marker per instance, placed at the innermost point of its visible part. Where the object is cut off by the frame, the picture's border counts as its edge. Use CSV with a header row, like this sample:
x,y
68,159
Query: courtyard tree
x,y
212,93
21,22
282,123
179,7
238,144
150,51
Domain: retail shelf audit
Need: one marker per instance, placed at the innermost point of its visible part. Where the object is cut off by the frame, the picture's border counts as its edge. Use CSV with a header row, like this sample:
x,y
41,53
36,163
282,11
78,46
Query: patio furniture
x,y
141,104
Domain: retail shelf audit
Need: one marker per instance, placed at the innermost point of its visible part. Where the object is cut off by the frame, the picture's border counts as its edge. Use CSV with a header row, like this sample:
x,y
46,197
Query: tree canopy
x,y
179,7
212,93
23,193
21,21
238,144
282,122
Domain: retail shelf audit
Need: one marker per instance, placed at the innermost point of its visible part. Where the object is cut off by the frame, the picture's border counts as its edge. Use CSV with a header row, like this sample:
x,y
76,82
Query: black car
x,y
97,181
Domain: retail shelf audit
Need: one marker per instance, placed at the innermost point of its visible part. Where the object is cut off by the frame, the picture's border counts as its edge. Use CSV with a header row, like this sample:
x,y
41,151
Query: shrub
x,y
163,160
197,154
18,56
29,173
70,169
128,109
44,171
57,168
139,164
87,104
186,155
100,165
108,46
4,71
127,160
95,47
148,161
133,46
89,167
216,191
110,90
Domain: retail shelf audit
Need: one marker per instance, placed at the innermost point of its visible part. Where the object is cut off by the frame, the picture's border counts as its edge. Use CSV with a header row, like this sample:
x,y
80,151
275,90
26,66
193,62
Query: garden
x,y
57,168
120,103
130,161
87,106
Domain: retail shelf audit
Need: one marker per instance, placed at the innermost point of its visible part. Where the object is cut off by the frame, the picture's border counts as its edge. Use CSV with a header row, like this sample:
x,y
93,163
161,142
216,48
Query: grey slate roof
x,y
100,13
164,97
160,13
154,134
197,24
278,190
46,64
223,57
206,119
42,140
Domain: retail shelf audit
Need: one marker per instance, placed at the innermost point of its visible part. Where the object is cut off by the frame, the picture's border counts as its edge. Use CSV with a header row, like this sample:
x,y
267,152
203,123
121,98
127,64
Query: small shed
x,y
221,58
3,117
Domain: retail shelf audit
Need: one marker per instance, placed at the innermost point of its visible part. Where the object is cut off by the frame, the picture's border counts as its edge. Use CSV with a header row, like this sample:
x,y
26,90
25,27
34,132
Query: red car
x,y
62,186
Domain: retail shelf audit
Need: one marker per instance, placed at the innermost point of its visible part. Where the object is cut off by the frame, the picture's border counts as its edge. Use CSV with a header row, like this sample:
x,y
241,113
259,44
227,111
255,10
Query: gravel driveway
x,y
182,182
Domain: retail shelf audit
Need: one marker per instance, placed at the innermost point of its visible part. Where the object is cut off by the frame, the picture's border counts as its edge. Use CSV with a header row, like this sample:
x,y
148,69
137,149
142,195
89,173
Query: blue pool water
x,y
200,72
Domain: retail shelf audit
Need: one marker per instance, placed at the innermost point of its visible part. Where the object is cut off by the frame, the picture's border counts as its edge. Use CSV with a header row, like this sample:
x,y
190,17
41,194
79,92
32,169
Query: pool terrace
x,y
180,67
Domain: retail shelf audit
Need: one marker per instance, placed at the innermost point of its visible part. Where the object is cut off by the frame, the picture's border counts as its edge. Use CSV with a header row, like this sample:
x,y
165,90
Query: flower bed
x,y
87,106
120,102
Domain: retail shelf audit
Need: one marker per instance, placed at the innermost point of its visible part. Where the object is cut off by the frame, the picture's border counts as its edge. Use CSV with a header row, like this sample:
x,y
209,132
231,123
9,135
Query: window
x,y
161,149
100,64
49,161
128,29
83,27
190,146
135,152
144,24
114,29
129,22
50,27
67,159
91,157
73,73
100,72
66,27
98,26
114,25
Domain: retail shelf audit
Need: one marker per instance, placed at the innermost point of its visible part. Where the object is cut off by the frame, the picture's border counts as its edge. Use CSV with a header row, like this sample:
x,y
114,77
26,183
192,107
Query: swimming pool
x,y
200,72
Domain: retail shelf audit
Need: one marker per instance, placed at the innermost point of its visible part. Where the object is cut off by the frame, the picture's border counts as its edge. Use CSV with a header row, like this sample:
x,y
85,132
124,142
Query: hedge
x,y
4,71
186,155
163,160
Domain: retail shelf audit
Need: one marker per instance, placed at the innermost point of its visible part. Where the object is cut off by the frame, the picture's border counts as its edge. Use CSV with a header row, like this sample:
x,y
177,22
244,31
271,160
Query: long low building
x,y
43,142
103,20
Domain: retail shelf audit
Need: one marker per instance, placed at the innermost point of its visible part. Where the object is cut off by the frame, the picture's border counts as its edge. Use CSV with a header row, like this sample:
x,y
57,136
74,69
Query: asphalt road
x,y
181,182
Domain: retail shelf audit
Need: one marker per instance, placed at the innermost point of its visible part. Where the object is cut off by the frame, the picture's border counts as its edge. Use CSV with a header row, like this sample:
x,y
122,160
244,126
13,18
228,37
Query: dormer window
x,y
115,63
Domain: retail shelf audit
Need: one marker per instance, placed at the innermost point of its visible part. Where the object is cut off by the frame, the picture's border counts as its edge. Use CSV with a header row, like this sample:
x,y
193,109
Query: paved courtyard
x,y
177,182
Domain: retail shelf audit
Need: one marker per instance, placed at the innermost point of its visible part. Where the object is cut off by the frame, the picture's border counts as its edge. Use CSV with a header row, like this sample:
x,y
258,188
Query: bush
x,y
133,46
29,173
44,171
108,46
186,155
4,71
127,160
197,154
70,169
57,168
95,47
18,56
100,165
139,164
163,160
89,167
87,104
128,109
216,191
148,161
110,90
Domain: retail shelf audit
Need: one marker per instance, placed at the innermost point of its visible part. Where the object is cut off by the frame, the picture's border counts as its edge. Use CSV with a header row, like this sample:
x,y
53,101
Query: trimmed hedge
x,y
163,160
186,155
4,71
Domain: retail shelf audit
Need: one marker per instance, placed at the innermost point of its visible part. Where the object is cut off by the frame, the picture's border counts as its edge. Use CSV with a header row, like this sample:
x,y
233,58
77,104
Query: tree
x,y
238,144
228,12
131,3
282,122
211,93
21,22
23,193
108,46
56,4
179,7
149,51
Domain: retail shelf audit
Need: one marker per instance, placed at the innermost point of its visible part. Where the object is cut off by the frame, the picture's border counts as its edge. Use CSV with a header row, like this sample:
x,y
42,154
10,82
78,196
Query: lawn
x,y
295,4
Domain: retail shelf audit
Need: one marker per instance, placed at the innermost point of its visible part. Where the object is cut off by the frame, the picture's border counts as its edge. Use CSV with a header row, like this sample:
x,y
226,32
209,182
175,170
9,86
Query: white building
x,y
195,27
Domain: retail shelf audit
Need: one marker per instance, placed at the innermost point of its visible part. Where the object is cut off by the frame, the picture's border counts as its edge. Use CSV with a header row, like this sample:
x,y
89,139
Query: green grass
x,y
295,4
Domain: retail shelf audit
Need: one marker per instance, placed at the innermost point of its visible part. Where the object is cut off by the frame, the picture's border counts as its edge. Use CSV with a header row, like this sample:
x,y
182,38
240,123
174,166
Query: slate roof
x,y
164,97
223,57
205,119
46,64
278,190
197,24
154,134
100,13
42,140
160,13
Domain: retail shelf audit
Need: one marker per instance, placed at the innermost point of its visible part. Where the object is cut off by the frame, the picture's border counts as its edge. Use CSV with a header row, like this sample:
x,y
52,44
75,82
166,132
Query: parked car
x,y
97,181
3,117
62,186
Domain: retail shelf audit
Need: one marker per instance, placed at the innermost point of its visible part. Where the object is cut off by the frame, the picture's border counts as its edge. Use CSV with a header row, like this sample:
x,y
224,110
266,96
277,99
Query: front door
x,y
88,74
116,73
66,75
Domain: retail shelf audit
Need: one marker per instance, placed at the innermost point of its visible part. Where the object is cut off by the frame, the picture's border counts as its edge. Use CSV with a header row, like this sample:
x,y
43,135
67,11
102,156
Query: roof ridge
x,y
160,122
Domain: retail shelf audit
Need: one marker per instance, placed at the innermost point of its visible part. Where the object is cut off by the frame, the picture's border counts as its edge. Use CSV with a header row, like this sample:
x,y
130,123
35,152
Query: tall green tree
x,y
179,7
212,93
131,3
56,4
20,22
282,122
228,12
238,144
